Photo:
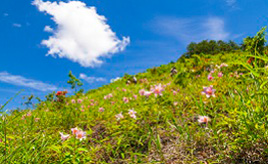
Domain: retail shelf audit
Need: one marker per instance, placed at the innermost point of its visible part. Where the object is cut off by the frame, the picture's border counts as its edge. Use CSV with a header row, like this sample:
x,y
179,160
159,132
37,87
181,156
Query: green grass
x,y
163,132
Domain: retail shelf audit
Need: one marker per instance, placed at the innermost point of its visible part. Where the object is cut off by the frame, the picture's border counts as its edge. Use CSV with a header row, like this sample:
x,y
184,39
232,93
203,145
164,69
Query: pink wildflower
x,y
147,93
210,77
79,101
135,96
220,74
125,99
23,117
119,116
224,65
175,103
168,84
124,90
132,113
174,93
101,109
203,119
29,114
80,135
73,101
209,91
64,137
141,92
74,130
36,119
157,90
108,96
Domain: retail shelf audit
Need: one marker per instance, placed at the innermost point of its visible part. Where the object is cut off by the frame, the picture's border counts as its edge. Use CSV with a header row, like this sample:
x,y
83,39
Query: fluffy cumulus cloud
x,y
81,34
91,79
22,81
48,29
187,30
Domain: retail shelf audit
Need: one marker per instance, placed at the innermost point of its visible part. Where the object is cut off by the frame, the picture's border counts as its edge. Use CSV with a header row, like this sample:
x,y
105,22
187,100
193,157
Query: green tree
x,y
210,47
257,43
74,82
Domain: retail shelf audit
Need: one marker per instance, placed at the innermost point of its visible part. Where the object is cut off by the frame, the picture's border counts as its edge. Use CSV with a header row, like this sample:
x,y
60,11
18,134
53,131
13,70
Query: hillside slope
x,y
212,108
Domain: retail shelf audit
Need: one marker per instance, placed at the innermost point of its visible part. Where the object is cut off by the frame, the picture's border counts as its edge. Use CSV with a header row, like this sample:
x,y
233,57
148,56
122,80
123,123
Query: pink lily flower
x,y
141,92
224,65
209,91
203,119
64,137
79,101
101,109
157,90
119,116
74,130
135,97
80,135
210,77
132,113
220,74
125,99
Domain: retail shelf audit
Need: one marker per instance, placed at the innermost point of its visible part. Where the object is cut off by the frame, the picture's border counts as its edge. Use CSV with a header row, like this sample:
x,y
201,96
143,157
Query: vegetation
x,y
211,47
74,82
212,109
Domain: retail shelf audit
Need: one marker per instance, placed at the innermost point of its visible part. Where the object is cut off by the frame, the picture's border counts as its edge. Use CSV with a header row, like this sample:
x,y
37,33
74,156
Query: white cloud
x,y
22,81
215,29
192,29
82,35
91,79
48,29
230,2
16,25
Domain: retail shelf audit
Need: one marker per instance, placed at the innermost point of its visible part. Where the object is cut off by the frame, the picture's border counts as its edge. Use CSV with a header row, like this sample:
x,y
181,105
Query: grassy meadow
x,y
200,109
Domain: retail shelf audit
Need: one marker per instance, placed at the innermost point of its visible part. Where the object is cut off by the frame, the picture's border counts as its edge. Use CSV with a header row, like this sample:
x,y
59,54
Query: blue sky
x,y
134,35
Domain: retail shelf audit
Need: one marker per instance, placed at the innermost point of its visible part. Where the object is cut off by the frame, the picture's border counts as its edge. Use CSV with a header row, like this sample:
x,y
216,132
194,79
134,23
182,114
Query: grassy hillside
x,y
162,117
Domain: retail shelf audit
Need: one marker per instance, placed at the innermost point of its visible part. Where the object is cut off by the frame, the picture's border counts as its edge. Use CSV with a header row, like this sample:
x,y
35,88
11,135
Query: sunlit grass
x,y
175,123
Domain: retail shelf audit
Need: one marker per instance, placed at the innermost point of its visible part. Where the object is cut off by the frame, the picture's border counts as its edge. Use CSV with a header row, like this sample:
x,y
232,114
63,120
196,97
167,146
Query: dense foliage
x,y
202,109
211,47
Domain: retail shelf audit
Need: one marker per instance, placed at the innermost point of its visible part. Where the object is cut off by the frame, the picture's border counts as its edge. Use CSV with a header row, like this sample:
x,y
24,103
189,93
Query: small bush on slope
x,y
152,123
